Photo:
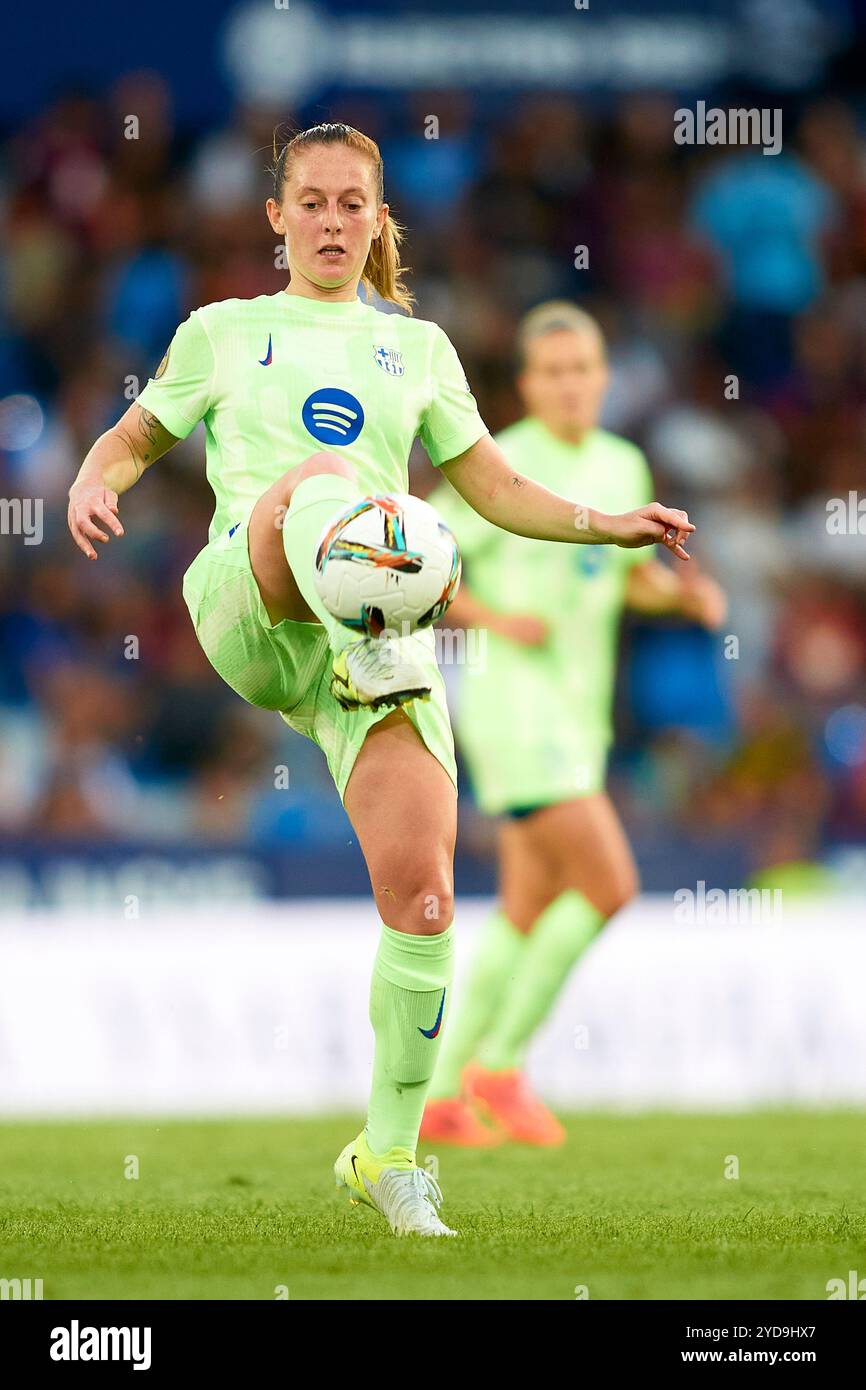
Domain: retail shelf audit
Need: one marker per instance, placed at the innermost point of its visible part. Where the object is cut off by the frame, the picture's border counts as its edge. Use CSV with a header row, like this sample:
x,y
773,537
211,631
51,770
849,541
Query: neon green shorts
x,y
287,666
524,742
518,776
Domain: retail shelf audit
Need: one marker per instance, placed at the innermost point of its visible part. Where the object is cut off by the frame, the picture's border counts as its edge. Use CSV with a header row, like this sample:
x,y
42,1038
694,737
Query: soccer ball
x,y
389,562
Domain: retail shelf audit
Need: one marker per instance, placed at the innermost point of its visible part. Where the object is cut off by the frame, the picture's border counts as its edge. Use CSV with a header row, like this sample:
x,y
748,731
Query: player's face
x,y
329,217
564,380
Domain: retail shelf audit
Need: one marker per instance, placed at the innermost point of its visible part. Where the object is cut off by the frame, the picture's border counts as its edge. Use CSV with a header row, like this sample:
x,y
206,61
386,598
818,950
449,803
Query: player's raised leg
x,y
283,594
284,530
403,806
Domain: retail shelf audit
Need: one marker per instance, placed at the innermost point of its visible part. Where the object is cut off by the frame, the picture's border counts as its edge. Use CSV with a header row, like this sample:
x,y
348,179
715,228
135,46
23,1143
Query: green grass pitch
x,y
633,1207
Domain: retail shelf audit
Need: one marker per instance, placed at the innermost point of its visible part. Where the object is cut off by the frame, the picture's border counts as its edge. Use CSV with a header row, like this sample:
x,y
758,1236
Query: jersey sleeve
x,y
179,393
451,423
472,531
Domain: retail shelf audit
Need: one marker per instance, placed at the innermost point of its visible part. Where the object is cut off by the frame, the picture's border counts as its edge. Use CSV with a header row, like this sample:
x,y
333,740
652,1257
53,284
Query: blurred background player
x,y
534,723
260,373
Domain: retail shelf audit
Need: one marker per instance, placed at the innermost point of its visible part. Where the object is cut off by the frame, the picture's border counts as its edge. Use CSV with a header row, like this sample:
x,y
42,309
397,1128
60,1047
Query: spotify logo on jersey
x,y
333,416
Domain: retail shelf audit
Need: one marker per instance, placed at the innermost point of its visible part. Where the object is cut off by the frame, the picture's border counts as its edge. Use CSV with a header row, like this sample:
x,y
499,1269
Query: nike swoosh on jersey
x,y
269,356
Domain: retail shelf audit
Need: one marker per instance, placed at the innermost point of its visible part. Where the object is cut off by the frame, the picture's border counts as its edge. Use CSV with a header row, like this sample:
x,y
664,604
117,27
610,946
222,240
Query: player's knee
x,y
432,903
435,910
525,912
619,892
324,462
278,498
417,899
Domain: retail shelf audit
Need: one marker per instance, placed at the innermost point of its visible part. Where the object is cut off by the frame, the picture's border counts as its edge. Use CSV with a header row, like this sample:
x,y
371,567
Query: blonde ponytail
x,y
383,271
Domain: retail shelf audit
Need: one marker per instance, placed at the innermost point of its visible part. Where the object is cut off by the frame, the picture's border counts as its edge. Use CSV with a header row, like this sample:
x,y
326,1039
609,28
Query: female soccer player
x,y
311,399
535,724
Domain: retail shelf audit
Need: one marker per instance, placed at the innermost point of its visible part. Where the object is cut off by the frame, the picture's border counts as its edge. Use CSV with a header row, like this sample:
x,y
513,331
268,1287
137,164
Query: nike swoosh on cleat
x,y
431,1032
354,1169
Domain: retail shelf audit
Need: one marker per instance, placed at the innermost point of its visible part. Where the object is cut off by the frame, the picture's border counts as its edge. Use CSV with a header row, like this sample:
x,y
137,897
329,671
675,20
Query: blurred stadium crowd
x,y
704,263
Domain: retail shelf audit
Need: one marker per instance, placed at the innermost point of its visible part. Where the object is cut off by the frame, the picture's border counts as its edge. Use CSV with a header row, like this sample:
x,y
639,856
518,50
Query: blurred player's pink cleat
x,y
452,1121
509,1100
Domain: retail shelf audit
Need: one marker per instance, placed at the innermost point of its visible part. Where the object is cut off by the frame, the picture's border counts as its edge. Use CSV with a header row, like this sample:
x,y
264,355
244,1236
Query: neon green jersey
x,y
280,377
577,589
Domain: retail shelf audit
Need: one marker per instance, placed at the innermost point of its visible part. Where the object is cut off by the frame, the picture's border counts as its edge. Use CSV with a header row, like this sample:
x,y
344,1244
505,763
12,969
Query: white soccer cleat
x,y
377,671
409,1202
407,1196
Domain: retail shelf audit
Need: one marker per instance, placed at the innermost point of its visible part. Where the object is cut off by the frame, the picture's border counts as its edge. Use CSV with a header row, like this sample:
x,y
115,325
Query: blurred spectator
x,y
765,217
434,158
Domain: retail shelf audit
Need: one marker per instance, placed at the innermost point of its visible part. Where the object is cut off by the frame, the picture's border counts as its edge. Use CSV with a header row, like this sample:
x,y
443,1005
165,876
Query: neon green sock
x,y
493,971
314,502
557,941
411,976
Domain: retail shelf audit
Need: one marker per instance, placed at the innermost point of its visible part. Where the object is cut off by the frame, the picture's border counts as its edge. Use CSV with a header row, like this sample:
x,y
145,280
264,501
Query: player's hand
x,y
89,505
523,628
703,600
652,525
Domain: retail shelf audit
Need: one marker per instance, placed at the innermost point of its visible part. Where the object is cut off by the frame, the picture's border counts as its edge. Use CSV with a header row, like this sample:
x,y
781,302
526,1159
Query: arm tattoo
x,y
148,425
132,454
517,481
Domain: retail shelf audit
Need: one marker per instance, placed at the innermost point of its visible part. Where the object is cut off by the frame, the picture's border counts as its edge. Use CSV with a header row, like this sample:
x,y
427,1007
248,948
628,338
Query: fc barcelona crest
x,y
390,360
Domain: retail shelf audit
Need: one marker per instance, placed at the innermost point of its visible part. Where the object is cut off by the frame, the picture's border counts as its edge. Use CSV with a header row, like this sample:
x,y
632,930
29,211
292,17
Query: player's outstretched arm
x,y
116,461
484,478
